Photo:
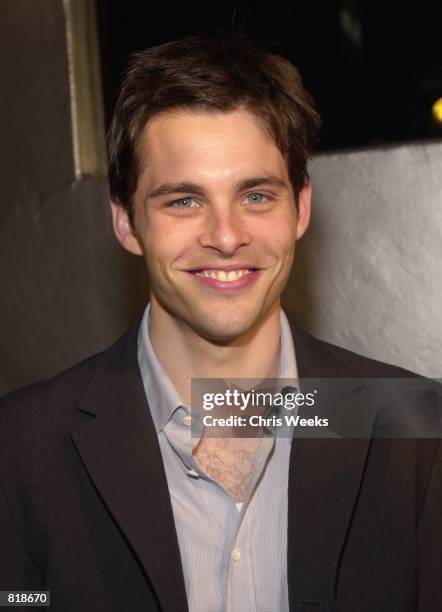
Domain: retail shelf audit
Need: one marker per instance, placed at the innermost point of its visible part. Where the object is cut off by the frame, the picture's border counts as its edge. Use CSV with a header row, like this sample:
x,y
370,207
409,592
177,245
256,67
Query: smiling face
x,y
216,221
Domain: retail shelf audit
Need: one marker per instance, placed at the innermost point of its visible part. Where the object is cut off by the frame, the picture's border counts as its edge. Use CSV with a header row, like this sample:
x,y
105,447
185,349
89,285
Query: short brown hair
x,y
211,74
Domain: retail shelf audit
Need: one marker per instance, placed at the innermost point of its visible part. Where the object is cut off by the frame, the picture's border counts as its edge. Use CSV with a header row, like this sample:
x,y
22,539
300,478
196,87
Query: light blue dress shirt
x,y
234,556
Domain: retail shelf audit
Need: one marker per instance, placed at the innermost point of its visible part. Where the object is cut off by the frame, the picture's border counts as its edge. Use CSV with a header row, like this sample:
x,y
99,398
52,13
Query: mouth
x,y
225,278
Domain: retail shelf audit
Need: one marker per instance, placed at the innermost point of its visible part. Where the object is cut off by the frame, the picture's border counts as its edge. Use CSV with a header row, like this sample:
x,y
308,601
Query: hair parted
x,y
219,73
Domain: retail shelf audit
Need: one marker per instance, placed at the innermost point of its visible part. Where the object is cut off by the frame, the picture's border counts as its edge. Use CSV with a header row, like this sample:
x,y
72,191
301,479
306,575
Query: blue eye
x,y
256,198
184,203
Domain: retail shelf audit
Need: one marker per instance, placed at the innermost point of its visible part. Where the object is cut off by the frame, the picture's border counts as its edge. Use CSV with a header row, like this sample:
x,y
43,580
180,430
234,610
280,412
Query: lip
x,y
224,286
244,266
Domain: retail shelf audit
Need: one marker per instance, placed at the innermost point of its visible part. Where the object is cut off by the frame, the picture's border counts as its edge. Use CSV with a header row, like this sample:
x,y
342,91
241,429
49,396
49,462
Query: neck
x,y
186,355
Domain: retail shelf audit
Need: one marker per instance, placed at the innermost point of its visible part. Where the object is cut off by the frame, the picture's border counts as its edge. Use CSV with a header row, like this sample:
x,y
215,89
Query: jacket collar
x,y
325,476
120,450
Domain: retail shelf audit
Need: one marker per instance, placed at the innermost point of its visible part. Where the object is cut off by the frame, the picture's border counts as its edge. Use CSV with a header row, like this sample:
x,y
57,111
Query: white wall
x,y
368,275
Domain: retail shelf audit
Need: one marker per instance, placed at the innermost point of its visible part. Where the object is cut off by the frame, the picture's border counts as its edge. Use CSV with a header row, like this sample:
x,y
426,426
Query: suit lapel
x,y
324,479
120,450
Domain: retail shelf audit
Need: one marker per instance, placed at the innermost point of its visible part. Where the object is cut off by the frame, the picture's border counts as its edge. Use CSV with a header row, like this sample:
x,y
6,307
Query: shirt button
x,y
187,420
193,473
236,554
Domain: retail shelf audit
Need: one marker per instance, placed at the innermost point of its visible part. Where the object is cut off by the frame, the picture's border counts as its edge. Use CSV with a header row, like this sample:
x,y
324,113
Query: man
x,y
107,499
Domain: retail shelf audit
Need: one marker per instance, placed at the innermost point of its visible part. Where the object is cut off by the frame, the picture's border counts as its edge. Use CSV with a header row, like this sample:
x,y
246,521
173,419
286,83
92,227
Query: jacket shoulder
x,y
65,385
321,359
366,366
42,407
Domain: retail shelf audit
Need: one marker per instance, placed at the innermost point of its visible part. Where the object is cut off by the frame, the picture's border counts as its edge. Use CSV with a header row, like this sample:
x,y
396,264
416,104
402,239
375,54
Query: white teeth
x,y
221,275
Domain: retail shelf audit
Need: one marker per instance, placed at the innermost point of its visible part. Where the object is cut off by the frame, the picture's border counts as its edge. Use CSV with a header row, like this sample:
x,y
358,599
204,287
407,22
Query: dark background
x,y
69,289
373,66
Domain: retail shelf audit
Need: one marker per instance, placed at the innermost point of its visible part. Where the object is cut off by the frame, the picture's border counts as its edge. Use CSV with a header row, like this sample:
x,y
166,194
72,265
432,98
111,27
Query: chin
x,y
221,336
223,331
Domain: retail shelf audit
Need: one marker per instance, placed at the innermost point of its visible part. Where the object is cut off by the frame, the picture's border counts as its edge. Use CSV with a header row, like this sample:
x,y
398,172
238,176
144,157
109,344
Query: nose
x,y
225,230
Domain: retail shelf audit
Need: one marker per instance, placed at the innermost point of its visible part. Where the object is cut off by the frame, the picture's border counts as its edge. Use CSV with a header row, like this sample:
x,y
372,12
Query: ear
x,y
304,208
123,228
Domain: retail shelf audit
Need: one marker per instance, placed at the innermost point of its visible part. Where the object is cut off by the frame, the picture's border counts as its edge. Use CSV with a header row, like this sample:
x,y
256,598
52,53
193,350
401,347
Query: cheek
x,y
280,239
165,245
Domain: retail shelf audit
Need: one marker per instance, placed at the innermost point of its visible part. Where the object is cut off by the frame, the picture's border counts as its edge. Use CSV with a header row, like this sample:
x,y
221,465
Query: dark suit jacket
x,y
85,510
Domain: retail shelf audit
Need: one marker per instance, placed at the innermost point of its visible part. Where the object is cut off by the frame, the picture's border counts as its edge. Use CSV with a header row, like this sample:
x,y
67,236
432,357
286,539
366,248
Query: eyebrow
x,y
270,180
169,188
243,185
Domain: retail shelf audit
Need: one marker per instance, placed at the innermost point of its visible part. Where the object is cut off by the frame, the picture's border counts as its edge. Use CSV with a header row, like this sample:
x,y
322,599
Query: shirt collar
x,y
162,396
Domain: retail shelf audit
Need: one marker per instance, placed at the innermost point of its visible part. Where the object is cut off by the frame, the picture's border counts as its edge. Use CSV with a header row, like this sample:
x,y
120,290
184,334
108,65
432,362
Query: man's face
x,y
216,220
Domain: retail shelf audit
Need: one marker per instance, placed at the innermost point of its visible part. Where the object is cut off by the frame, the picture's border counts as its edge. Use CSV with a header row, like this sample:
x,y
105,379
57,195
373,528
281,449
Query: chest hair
x,y
229,461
